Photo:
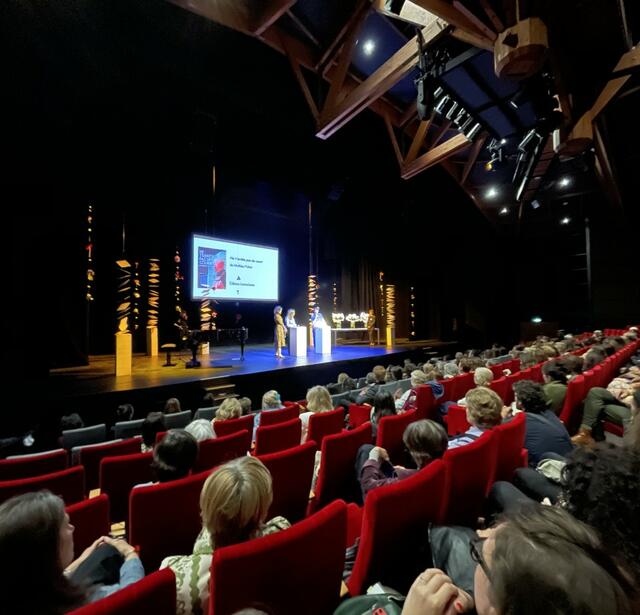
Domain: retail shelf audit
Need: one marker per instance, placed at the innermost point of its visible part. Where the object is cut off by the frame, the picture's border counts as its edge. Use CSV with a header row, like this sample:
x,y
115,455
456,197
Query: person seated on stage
x,y
71,421
174,456
200,429
234,503
152,425
317,319
383,405
39,574
172,405
230,408
245,403
367,394
425,440
484,412
318,400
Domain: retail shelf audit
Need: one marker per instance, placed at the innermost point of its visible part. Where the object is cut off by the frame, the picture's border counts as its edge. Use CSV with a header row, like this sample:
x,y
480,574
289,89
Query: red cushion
x,y
510,444
91,520
272,417
68,484
29,466
225,428
390,432
215,451
358,415
91,456
278,437
323,424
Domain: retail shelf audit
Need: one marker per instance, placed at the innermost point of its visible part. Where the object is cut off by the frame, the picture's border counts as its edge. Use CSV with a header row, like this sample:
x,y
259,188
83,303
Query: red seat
x,y
500,386
164,519
226,428
509,395
465,383
457,420
91,520
394,523
90,457
68,484
613,428
273,417
498,370
337,476
309,558
570,414
118,475
28,466
278,437
215,451
358,415
156,594
426,403
510,444
449,385
390,432
470,472
323,424
291,473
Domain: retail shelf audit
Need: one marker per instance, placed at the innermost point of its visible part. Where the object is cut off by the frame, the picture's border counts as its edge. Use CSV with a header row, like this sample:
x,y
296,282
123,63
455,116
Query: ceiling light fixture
x,y
492,192
368,47
504,211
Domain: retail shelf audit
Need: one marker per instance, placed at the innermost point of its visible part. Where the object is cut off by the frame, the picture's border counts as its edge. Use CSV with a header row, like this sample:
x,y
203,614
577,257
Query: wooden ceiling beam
x,y
234,15
471,38
441,132
304,86
418,139
394,140
449,13
384,78
492,15
270,13
435,156
475,20
473,156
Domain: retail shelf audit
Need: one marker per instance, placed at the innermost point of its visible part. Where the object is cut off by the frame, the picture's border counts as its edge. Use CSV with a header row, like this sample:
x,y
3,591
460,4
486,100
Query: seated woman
x,y
484,412
383,405
270,401
200,429
174,456
151,427
425,440
38,574
429,376
318,400
540,561
172,405
234,503
554,374
230,408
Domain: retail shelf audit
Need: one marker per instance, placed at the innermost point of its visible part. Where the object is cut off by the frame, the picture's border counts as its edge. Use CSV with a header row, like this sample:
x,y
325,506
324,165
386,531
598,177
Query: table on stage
x,y
335,332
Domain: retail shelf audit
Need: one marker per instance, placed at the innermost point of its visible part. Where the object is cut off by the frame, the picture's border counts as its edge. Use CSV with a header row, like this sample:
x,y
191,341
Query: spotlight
x,y
473,131
535,204
504,211
565,220
492,193
536,319
503,141
368,47
488,166
564,182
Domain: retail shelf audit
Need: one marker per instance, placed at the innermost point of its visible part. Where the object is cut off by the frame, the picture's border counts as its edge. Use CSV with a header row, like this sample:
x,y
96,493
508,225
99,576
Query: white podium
x,y
298,341
322,340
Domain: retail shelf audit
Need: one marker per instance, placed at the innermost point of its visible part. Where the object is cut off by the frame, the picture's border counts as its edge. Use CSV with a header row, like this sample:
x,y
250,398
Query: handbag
x,y
372,604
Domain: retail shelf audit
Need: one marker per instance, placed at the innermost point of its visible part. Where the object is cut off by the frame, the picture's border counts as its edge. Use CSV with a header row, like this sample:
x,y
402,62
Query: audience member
x,y
407,400
174,456
554,374
383,405
172,405
200,429
318,400
484,408
124,412
245,404
151,427
71,421
270,401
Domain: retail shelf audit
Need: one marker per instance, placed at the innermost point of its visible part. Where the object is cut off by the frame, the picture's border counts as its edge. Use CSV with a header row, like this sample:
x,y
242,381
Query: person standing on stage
x,y
317,319
290,319
371,323
279,332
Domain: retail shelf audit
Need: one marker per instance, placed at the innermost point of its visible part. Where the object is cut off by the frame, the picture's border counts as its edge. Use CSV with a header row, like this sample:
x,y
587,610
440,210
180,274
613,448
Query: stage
x,y
95,389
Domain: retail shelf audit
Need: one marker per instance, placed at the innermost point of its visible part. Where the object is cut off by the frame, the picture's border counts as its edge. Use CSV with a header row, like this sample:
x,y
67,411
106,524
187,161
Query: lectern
x,y
322,340
298,341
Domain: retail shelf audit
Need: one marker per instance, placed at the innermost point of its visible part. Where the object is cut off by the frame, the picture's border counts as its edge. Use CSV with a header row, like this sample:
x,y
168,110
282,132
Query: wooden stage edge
x,y
260,368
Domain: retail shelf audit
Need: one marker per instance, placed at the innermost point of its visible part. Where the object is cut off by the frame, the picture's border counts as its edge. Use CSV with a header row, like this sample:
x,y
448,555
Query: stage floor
x,y
224,362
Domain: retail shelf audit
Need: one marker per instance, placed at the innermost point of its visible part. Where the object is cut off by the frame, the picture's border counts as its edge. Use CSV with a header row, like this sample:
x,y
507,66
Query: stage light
x,y
368,47
565,220
504,211
564,182
535,204
488,166
503,141
536,319
475,129
491,193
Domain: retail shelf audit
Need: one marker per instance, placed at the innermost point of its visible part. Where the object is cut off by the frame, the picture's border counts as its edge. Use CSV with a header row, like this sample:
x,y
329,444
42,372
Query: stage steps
x,y
221,391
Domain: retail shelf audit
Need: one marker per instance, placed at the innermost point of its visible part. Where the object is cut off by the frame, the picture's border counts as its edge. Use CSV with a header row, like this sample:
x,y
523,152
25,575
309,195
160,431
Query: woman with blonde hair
x,y
230,408
279,332
234,503
318,400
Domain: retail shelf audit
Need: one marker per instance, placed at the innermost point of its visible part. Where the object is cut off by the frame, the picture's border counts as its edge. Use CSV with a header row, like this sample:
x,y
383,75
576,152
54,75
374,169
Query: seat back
x,y
510,438
164,519
90,457
205,413
395,525
84,435
322,424
358,415
337,475
177,420
156,594
226,428
570,414
278,437
291,473
426,405
273,417
128,429
68,484
470,472
309,555
465,383
27,466
91,520
118,475
215,451
390,432
498,370
456,420
500,387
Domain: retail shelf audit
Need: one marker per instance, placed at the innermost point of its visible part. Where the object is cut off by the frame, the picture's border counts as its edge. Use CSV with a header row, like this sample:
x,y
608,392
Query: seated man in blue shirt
x,y
484,412
545,432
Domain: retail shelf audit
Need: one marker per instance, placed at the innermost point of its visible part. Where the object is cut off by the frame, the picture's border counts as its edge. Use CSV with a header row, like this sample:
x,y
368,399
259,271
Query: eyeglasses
x,y
475,548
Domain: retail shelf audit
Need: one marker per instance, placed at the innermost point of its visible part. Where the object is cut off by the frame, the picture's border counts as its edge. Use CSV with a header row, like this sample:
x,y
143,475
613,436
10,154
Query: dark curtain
x,y
358,289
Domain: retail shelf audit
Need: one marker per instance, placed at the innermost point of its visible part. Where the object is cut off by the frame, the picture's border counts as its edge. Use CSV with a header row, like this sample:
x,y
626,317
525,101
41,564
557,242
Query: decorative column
x,y
312,301
390,308
123,340
153,306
